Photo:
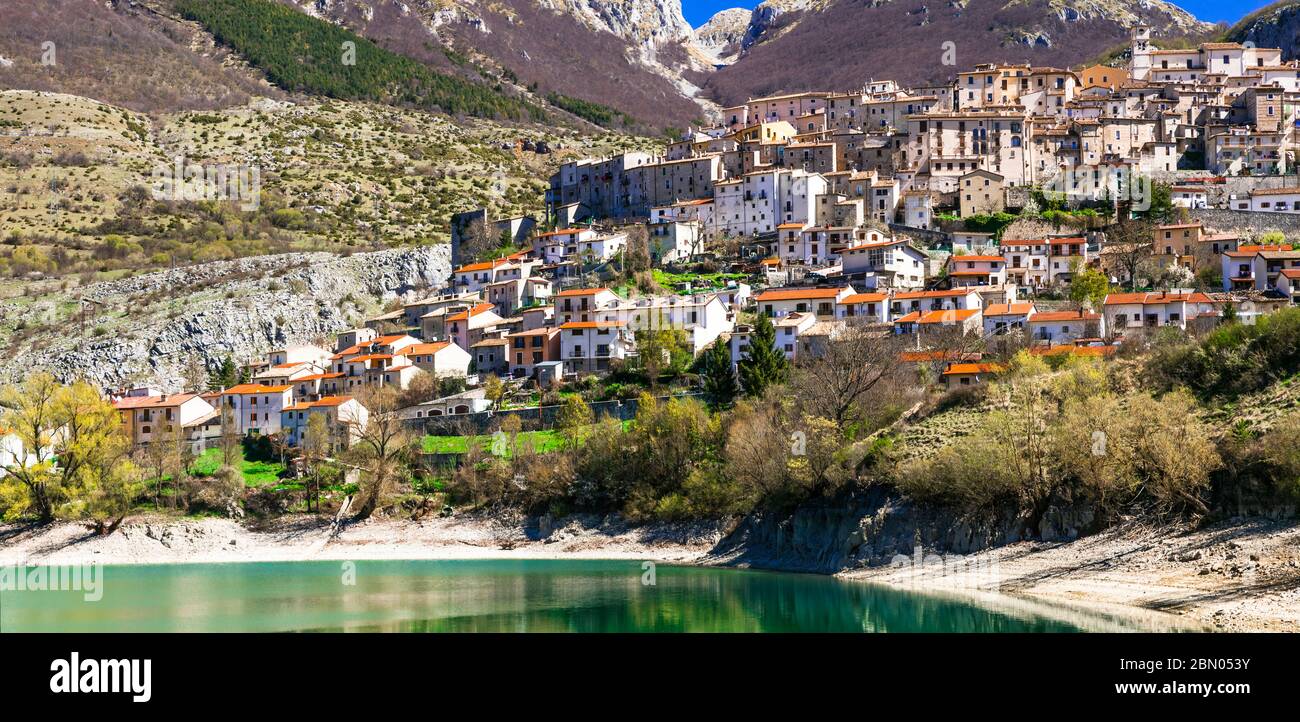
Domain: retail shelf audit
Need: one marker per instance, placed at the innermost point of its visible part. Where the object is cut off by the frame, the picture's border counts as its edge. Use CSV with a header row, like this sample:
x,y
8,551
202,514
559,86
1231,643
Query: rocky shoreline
x,y
1242,575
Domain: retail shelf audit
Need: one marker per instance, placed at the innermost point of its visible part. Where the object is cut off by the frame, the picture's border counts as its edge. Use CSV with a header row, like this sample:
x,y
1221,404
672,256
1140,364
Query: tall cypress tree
x,y
720,385
765,364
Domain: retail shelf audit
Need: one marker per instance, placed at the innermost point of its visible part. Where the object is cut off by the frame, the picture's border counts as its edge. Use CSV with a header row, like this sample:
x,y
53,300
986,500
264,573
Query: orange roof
x,y
915,356
1074,350
973,369
355,348
790,294
542,331
255,389
1277,247
770,262
581,291
592,324
464,315
416,349
561,232
144,402
954,259
877,244
1013,309
932,294
1064,316
1156,297
863,298
325,401
790,225
948,315
315,377
482,266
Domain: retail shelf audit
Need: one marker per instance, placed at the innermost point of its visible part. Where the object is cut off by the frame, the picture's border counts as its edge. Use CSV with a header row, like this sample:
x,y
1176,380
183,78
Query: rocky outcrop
x,y
149,328
904,39
1276,26
723,35
872,527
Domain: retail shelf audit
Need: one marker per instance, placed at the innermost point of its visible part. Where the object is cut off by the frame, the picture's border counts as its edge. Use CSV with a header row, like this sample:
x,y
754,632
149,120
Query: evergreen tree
x,y
226,376
720,385
764,364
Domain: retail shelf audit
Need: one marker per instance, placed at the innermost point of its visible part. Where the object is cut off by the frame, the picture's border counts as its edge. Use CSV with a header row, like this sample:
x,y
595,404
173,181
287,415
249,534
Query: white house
x,y
256,408
789,329
1125,311
778,302
1001,318
1058,327
345,420
885,264
589,346
975,270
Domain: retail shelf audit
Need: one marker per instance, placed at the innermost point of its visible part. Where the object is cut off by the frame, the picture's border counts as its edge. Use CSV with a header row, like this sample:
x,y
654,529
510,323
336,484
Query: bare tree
x,y
849,367
477,240
229,435
195,375
636,253
383,446
1128,246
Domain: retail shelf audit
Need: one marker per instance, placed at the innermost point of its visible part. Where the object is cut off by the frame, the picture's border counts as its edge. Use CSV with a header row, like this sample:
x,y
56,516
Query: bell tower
x,y
1140,63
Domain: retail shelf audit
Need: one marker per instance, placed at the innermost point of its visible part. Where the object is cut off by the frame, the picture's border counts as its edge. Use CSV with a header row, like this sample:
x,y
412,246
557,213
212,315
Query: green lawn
x,y
256,473
697,280
543,442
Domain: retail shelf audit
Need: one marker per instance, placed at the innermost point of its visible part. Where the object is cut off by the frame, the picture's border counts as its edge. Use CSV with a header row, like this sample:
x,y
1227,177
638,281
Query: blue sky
x,y
699,11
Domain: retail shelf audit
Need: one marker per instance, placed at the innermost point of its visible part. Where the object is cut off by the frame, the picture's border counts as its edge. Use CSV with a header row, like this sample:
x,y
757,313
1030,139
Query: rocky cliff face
x,y
1276,26
905,39
632,55
871,527
722,37
641,22
150,327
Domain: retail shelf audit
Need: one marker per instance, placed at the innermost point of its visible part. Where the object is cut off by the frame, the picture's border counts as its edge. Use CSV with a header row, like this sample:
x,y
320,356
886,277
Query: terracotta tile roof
x,y
418,349
147,402
316,377
1064,316
241,389
1156,297
581,291
592,324
791,294
1013,309
948,315
908,295
325,401
980,368
863,298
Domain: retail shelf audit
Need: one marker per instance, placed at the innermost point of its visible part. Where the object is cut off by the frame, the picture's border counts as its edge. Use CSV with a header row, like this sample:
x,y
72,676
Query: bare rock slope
x,y
149,328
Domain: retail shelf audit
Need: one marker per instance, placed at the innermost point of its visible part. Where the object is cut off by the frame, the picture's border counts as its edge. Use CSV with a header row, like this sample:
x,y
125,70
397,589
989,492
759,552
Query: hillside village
x,y
959,221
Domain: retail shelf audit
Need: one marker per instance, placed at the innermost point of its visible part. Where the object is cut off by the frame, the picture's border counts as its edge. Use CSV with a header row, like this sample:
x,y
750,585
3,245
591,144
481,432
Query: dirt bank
x,y
1242,575
162,540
